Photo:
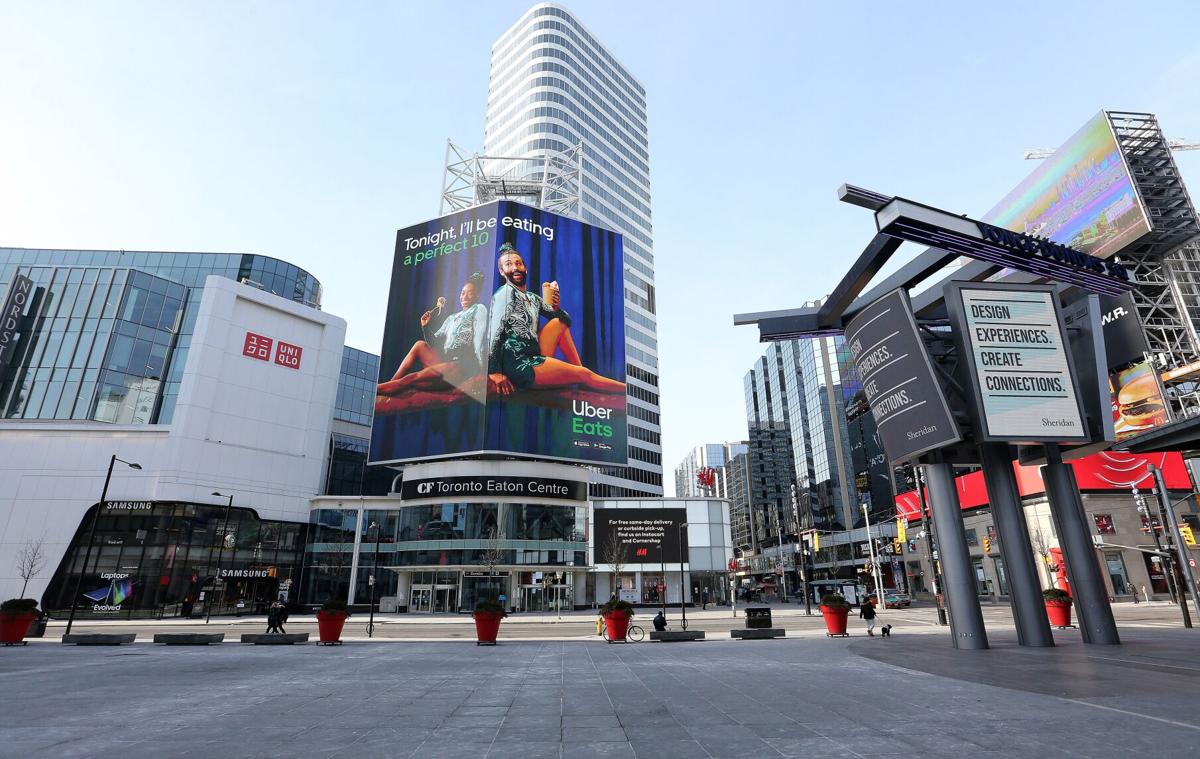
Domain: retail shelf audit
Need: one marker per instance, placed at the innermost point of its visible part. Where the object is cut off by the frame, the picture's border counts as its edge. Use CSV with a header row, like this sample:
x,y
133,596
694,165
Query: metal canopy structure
x,y
551,181
954,235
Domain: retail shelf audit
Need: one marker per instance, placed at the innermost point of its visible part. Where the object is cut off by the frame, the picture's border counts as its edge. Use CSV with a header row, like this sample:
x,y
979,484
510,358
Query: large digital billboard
x,y
650,536
505,334
1082,196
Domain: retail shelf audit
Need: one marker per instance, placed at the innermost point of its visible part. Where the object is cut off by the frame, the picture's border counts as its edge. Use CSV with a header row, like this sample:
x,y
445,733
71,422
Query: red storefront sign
x,y
257,346
288,355
1106,471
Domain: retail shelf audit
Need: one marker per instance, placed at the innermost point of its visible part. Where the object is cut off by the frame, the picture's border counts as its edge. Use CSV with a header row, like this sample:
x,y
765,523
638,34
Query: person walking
x,y
867,612
1132,590
704,599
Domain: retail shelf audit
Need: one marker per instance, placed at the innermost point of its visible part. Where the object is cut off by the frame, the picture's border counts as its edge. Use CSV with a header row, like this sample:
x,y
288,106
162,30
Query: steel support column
x,y
966,618
1087,585
1029,612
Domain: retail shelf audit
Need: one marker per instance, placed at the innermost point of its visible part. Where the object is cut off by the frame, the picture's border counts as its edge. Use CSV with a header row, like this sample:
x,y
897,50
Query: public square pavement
x,y
910,695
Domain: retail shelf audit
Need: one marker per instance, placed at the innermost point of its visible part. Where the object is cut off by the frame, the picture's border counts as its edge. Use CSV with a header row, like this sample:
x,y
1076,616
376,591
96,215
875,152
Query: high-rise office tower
x,y
714,455
553,87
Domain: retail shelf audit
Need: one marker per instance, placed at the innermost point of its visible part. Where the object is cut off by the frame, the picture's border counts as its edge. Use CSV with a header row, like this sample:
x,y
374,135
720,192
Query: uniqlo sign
x,y
288,355
257,346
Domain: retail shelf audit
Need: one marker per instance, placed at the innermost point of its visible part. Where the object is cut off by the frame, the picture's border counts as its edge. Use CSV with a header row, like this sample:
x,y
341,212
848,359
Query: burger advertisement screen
x,y
1138,404
505,333
1081,196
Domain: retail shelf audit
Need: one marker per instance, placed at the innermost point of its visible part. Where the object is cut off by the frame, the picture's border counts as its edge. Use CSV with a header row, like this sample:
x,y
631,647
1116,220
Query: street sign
x,y
898,379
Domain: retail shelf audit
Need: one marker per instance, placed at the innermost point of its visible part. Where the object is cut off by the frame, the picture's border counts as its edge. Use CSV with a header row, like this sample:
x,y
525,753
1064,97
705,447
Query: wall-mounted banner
x,y
1020,365
12,311
898,379
493,487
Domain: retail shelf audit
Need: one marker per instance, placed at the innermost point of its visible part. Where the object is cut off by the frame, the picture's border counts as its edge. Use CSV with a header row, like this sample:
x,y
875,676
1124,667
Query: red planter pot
x,y
1059,613
487,627
835,619
329,626
15,625
617,625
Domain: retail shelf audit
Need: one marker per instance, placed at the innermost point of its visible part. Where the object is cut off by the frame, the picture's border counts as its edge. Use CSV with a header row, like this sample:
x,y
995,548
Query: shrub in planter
x,y
1058,606
617,614
487,618
835,609
331,618
16,615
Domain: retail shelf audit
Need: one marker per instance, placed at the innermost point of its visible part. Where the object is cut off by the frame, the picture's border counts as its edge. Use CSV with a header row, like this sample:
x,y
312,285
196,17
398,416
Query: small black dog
x,y
886,631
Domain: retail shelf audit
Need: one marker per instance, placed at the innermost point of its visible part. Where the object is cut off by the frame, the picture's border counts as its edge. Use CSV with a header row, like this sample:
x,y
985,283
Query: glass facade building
x,y
814,457
107,335
714,455
553,86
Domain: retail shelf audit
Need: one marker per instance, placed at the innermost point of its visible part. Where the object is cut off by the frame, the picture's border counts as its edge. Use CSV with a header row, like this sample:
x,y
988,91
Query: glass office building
x,y
107,335
553,86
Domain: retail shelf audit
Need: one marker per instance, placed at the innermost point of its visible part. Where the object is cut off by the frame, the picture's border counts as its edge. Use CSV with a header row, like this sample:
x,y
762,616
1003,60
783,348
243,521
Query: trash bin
x,y
758,617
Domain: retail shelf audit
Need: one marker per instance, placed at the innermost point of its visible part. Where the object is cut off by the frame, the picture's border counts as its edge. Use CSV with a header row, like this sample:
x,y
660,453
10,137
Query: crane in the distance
x,y
1038,154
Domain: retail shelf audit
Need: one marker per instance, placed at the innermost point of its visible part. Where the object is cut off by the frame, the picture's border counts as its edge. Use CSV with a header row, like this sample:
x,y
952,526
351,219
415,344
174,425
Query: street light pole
x,y
87,556
927,528
1165,506
220,553
866,507
374,581
682,608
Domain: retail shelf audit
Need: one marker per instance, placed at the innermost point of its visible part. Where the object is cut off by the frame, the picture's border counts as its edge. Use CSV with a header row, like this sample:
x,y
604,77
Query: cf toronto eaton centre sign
x,y
497,486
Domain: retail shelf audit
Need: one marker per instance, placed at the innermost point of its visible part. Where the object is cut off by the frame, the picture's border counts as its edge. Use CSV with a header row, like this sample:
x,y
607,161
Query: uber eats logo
x,y
588,418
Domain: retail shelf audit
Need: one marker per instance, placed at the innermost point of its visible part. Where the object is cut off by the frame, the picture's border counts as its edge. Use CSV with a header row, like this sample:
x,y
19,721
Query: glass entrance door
x,y
422,600
446,599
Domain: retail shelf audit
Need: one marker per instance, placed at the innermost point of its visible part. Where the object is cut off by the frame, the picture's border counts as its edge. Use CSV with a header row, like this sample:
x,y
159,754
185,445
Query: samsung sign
x,y
20,292
493,487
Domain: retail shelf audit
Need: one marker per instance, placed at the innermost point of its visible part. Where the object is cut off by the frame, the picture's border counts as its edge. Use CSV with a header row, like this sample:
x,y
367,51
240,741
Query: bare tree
x,y
616,554
492,555
30,561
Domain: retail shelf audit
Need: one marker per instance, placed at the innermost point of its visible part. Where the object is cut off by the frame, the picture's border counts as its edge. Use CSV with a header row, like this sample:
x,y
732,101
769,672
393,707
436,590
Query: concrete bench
x,y
669,636
188,639
98,639
761,633
274,639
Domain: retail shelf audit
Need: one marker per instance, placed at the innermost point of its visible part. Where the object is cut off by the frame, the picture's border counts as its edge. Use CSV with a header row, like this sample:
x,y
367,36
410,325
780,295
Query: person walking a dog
x,y
867,612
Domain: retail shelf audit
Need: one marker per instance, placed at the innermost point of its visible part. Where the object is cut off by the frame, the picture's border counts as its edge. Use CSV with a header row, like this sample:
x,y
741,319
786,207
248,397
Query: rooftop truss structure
x,y
551,181
1172,217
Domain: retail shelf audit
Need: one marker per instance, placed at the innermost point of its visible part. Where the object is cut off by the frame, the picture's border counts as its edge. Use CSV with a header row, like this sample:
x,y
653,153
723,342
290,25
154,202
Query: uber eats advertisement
x,y
505,333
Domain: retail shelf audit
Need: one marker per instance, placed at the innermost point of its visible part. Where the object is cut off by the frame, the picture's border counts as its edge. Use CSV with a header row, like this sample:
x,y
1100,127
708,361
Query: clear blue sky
x,y
312,131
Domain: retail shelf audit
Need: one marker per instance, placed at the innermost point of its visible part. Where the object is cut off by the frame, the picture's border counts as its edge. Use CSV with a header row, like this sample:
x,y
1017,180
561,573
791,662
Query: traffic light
x,y
987,544
898,546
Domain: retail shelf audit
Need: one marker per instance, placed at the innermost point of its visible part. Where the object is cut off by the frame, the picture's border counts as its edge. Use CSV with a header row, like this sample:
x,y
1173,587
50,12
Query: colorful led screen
x,y
1082,196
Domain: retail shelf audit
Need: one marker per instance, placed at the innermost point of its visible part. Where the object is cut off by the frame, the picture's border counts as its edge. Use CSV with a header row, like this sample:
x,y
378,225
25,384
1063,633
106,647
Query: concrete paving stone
x,y
782,729
593,734
455,750
604,750
531,720
522,734
723,746
463,735
668,749
673,732
473,720
526,750
591,720
817,748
